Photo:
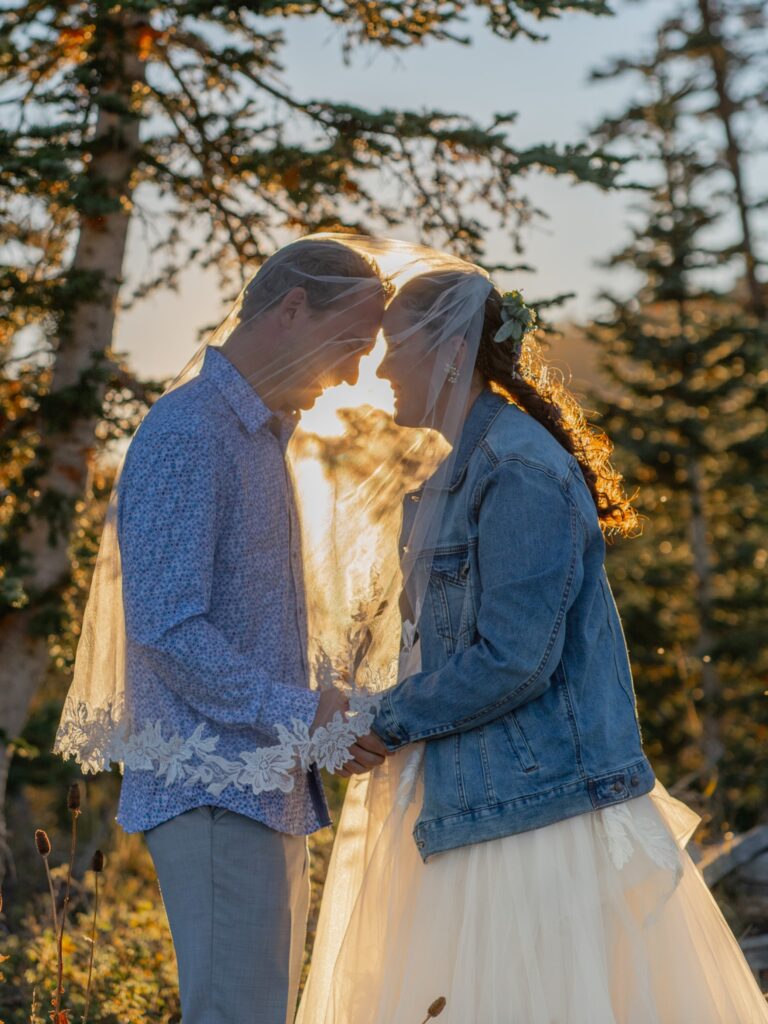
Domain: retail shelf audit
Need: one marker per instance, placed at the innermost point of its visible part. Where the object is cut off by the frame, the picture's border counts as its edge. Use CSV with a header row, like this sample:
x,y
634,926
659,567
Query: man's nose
x,y
348,369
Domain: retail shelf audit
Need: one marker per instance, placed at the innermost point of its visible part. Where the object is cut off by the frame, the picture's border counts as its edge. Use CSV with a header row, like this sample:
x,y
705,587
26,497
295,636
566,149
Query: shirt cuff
x,y
387,727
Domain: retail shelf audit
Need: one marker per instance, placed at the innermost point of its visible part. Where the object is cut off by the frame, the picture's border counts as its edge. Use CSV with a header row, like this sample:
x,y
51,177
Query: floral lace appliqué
x,y
99,738
634,826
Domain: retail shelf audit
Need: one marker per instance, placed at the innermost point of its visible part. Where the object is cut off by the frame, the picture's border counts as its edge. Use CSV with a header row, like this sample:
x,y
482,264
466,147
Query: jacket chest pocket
x,y
451,599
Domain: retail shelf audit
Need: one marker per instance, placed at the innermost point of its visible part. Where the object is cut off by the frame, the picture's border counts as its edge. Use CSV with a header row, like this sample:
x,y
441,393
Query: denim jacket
x,y
525,696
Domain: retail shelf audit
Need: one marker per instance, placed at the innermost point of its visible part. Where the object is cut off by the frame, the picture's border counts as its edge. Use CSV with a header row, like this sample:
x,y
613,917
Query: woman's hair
x,y
523,376
539,389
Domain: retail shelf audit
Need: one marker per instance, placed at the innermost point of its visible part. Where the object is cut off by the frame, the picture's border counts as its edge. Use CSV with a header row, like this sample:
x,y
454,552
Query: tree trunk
x,y
100,250
711,684
710,20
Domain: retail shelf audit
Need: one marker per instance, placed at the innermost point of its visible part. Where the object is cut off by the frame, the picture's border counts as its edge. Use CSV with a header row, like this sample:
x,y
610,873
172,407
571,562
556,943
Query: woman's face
x,y
410,362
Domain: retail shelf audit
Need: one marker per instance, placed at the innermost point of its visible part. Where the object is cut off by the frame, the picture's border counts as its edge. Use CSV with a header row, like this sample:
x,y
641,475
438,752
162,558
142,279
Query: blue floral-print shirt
x,y
213,593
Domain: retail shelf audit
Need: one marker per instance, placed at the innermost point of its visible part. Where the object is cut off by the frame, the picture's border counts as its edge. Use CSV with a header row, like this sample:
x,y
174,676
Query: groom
x,y
216,627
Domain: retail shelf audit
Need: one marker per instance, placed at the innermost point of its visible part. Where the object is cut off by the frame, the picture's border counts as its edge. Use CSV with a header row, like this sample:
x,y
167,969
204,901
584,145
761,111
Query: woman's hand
x,y
367,753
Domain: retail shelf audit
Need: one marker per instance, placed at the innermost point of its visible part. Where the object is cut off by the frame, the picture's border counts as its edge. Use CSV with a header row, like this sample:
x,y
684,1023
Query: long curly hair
x,y
539,389
524,377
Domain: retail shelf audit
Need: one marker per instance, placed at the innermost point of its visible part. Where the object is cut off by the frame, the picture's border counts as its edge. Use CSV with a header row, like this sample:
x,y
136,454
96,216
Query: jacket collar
x,y
477,424
236,391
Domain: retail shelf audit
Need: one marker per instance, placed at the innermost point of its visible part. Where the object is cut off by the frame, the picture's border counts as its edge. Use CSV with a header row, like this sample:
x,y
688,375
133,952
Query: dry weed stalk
x,y
435,1009
97,866
73,804
43,844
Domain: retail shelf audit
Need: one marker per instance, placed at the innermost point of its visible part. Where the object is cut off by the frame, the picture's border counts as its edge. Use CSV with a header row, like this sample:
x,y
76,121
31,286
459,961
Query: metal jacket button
x,y
617,786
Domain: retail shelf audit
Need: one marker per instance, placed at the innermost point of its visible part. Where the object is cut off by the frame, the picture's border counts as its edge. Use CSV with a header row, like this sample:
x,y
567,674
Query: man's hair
x,y
327,270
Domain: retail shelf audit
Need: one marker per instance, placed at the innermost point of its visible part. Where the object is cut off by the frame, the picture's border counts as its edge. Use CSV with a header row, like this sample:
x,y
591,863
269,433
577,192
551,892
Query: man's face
x,y
329,345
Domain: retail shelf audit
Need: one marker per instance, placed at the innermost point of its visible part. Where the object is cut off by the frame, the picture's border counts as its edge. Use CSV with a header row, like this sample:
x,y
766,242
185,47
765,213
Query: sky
x,y
546,83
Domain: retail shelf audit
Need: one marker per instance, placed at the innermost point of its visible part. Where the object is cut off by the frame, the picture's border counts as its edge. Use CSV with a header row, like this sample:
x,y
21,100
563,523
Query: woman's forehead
x,y
398,330
397,319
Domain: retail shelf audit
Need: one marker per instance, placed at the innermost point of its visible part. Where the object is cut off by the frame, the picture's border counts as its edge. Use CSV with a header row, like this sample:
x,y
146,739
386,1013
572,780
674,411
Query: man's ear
x,y
291,305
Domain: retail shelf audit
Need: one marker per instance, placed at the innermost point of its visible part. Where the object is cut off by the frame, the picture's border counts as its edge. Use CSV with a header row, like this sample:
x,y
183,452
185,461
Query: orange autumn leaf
x,y
145,40
73,42
76,36
73,473
291,178
97,222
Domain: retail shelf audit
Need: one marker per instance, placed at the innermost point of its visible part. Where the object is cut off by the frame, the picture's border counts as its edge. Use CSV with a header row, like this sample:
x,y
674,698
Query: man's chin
x,y
307,402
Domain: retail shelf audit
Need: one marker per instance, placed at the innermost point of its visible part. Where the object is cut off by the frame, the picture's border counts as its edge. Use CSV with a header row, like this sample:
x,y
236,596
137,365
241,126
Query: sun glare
x,y
369,390
322,418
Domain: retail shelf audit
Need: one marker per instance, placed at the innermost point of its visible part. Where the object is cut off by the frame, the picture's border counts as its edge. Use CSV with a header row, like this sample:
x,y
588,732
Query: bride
x,y
514,857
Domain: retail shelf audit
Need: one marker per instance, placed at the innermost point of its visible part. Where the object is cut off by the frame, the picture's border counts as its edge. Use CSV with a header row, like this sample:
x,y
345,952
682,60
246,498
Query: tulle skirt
x,y
599,919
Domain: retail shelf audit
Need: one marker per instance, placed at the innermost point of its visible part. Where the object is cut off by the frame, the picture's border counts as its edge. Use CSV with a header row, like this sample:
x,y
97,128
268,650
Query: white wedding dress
x,y
599,919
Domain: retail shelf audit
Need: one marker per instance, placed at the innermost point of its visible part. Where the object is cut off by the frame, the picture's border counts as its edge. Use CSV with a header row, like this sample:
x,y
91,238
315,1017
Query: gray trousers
x,y
236,894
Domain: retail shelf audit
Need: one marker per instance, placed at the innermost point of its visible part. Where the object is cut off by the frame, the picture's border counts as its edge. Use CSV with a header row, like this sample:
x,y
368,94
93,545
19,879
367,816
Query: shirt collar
x,y
236,391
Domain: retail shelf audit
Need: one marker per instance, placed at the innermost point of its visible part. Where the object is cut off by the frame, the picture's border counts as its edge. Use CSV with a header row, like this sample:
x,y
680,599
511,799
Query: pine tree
x,y
728,41
688,405
110,110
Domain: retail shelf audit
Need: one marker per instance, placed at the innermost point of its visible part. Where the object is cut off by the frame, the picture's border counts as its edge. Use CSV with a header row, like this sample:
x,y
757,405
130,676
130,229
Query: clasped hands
x,y
366,753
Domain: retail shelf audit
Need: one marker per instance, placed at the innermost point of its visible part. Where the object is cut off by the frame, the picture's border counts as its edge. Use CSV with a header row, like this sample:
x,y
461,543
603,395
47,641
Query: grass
x,y
117,962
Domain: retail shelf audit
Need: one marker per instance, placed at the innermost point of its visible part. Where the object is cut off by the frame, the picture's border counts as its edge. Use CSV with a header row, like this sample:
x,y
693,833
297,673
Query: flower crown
x,y
517,321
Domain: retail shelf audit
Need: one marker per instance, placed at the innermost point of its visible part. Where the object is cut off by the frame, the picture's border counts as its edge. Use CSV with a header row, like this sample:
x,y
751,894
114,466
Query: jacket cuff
x,y
387,727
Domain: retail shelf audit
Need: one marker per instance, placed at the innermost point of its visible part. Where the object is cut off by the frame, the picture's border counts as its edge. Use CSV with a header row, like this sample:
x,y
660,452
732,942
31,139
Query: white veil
x,y
432,328
349,488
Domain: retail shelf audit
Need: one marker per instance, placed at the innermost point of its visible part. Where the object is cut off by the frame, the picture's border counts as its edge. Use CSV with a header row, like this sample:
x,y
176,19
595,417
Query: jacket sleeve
x,y
170,501
530,558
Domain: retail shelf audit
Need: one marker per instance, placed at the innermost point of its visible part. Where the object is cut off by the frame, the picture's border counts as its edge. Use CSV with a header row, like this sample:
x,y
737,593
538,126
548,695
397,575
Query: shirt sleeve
x,y
170,504
530,558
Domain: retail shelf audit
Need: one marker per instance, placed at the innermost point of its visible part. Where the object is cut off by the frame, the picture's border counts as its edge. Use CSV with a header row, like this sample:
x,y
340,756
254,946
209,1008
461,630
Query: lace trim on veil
x,y
636,825
97,737
625,827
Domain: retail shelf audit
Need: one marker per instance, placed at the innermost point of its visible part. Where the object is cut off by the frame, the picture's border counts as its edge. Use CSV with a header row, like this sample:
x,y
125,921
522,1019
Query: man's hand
x,y
366,753
331,701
